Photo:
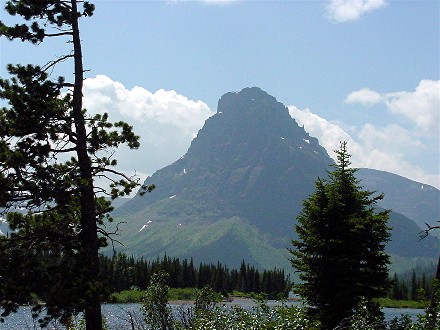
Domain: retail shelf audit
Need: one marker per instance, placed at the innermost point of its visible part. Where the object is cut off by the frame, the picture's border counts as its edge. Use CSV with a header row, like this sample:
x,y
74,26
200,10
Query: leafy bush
x,y
261,317
157,313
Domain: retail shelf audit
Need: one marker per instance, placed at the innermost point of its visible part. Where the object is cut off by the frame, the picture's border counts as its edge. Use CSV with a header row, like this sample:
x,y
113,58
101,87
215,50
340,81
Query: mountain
x,y
244,162
417,201
237,191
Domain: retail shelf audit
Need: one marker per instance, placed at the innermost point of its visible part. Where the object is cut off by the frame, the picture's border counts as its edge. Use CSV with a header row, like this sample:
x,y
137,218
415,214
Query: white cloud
x,y
396,137
367,147
365,96
351,10
421,107
329,134
165,120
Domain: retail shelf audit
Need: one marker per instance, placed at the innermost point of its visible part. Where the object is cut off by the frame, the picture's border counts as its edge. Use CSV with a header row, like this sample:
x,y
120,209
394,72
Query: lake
x,y
117,314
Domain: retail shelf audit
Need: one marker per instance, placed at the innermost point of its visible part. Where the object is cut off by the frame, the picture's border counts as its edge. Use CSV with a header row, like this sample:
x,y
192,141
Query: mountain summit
x,y
237,191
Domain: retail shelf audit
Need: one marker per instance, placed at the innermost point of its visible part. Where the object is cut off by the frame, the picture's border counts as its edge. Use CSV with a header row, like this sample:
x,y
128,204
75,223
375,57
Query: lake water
x,y
117,315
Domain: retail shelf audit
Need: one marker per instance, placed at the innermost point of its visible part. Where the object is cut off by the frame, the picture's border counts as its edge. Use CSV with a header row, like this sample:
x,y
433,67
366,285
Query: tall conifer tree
x,y
340,250
51,152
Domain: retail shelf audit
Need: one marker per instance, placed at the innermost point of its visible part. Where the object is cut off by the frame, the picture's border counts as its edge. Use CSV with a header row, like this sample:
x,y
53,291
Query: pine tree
x,y
51,151
340,250
413,285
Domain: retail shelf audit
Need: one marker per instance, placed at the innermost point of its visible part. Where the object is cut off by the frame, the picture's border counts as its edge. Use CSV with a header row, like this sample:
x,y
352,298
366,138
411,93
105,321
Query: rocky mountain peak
x,y
252,124
251,99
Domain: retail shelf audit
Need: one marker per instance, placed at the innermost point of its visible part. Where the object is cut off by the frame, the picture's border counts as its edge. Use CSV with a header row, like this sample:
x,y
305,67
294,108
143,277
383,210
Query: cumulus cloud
x,y
421,106
329,134
165,120
396,137
351,10
365,96
366,145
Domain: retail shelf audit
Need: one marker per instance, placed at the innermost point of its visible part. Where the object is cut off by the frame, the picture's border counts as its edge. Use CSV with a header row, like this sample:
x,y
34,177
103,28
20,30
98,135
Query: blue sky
x,y
364,71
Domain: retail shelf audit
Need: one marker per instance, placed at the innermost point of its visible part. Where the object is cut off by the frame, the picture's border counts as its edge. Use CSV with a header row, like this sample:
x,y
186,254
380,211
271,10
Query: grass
x,y
391,303
188,294
182,294
135,296
127,296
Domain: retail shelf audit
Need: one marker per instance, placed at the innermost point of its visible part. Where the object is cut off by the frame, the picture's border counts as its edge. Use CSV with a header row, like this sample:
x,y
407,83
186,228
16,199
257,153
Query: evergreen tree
x,y
51,151
340,250
413,285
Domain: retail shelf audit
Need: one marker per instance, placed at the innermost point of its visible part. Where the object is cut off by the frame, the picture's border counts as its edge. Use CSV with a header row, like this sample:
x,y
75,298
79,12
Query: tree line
x,y
122,272
414,287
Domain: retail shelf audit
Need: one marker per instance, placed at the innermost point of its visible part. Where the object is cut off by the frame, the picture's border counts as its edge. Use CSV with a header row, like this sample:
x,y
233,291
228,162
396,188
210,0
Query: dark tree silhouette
x,y
340,250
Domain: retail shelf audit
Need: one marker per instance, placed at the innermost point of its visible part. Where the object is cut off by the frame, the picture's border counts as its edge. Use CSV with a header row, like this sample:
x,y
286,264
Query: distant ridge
x,y
417,201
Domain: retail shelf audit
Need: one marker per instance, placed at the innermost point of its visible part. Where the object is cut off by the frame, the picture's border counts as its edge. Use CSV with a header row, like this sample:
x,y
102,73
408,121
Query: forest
x,y
123,273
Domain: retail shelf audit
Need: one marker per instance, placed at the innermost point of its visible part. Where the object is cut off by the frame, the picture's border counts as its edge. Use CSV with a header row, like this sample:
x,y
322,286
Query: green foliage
x,y
182,294
127,296
428,321
403,322
408,286
260,317
431,319
392,303
135,295
207,314
366,315
340,250
157,313
206,300
80,324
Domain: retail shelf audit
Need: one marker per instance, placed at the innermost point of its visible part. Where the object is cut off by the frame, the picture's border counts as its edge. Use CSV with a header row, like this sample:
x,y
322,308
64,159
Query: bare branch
x,y
102,169
108,235
100,190
67,33
424,233
67,85
60,151
55,62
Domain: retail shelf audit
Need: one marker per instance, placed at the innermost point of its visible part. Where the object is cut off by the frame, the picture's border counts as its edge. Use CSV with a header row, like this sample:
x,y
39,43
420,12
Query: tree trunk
x,y
89,236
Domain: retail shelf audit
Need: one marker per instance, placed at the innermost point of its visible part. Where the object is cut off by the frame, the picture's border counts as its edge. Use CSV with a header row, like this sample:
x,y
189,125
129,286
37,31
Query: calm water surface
x,y
117,315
